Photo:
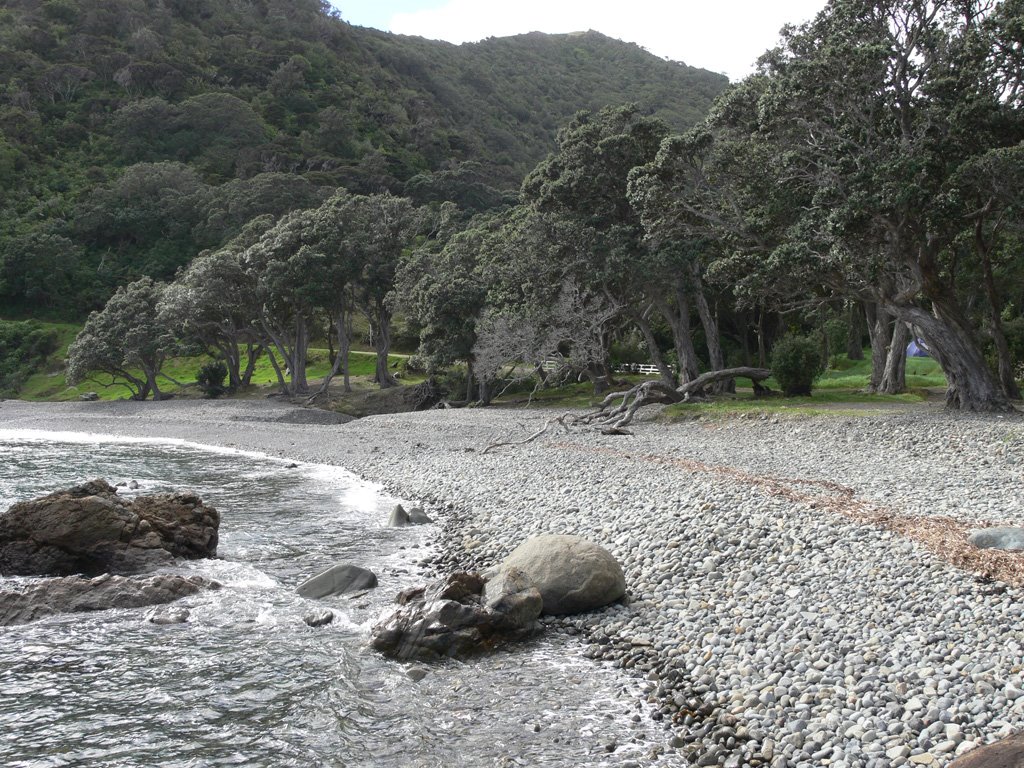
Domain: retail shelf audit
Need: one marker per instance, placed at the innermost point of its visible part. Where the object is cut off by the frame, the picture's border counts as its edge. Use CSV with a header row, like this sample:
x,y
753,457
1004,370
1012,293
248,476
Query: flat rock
x,y
338,580
573,574
73,594
1004,537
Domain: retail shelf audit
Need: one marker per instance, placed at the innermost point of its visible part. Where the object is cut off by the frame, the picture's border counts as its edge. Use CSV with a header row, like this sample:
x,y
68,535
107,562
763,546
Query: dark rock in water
x,y
338,580
418,517
319,618
416,673
1004,537
71,594
89,529
573,575
399,517
514,596
1008,753
169,616
454,618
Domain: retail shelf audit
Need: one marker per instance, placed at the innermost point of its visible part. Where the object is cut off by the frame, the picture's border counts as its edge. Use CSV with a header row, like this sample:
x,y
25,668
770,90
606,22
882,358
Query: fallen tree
x,y
611,418
657,391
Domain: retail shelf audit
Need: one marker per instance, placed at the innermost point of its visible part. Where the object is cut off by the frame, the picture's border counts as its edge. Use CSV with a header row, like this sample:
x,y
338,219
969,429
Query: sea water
x,y
245,681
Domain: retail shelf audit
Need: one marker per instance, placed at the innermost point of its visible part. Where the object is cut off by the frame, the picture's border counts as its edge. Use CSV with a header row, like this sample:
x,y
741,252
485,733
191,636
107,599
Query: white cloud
x,y
721,35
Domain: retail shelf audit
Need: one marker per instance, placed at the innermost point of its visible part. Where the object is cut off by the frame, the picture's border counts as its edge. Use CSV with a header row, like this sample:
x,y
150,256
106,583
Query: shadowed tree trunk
x,y
880,333
677,314
1006,378
970,384
711,334
855,332
894,378
640,321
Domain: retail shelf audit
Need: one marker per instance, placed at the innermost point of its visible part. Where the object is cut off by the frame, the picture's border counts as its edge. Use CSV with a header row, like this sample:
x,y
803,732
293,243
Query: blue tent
x,y
917,348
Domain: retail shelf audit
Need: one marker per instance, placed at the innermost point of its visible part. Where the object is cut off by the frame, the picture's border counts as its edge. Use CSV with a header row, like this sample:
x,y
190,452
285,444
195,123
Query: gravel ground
x,y
770,626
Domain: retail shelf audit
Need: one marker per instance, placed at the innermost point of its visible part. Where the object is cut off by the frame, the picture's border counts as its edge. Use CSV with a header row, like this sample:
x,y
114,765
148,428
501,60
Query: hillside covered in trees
x,y
136,133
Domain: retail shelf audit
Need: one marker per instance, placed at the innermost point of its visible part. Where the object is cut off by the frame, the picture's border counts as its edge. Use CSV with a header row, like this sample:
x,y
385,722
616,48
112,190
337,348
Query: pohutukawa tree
x,y
377,230
213,301
126,340
859,123
278,266
585,181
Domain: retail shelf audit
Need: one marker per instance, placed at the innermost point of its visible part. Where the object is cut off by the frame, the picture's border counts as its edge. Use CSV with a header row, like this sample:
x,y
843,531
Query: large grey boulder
x,y
72,594
573,574
1008,753
1005,537
88,529
455,618
338,580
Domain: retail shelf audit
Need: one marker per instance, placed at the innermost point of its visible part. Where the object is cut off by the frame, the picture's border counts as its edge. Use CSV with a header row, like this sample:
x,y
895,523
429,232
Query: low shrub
x,y
796,363
211,378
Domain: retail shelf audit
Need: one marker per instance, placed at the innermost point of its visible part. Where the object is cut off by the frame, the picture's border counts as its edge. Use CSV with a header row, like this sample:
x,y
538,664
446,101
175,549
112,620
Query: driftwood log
x,y
617,416
616,411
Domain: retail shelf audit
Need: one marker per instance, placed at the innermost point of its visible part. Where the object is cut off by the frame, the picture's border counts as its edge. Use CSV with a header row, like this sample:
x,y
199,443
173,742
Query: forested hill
x,y
134,133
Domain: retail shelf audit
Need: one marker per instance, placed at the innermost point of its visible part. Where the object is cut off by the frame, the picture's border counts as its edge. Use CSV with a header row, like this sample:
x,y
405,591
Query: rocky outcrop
x,y
458,616
338,580
73,594
573,574
89,529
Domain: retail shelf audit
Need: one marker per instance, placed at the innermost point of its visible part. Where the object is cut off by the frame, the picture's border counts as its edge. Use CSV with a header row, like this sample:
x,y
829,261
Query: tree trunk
x,y
640,321
280,374
762,343
678,317
469,381
894,379
231,355
970,384
855,332
298,360
711,334
1006,378
380,330
880,332
341,326
744,323
252,352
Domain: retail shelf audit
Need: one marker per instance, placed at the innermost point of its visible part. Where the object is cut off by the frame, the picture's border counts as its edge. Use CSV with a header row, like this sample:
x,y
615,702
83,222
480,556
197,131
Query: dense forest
x,y
865,183
136,133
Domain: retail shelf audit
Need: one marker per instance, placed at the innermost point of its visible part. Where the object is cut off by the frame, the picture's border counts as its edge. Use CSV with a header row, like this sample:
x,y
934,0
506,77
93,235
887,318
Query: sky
x,y
723,36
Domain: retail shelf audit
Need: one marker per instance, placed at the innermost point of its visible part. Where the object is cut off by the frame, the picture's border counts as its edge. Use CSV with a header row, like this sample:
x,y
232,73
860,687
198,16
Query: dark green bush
x,y
796,363
211,378
24,346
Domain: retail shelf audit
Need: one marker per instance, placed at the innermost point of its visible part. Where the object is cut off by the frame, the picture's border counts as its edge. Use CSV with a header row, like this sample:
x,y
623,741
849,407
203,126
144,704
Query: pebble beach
x,y
801,592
